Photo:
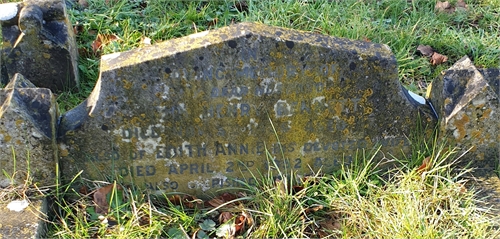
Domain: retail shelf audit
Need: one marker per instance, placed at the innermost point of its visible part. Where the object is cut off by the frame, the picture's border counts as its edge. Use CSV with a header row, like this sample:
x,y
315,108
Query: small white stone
x,y
18,205
8,11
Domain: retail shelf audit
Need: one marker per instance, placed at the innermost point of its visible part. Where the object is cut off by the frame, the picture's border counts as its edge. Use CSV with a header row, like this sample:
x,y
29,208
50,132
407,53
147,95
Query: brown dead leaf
x,y
215,202
224,217
249,218
102,40
462,4
426,164
239,224
313,209
444,7
100,194
462,188
191,201
437,59
241,5
175,200
84,190
213,22
425,50
329,226
228,197
83,3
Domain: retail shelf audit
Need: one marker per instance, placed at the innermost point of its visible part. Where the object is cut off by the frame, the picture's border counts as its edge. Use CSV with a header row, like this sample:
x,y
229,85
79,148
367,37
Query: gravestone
x,y
467,102
204,112
28,146
38,42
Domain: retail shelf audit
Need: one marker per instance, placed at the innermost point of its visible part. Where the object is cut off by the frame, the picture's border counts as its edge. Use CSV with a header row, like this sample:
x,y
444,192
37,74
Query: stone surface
x,y
40,44
29,223
27,133
193,114
467,103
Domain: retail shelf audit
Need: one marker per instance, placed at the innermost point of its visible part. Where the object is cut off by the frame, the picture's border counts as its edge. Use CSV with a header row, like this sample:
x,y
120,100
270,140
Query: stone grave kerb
x,y
190,113
39,43
467,101
28,118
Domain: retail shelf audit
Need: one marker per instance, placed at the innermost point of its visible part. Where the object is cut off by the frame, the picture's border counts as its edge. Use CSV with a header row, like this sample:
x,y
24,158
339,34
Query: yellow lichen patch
x,y
367,92
144,86
448,101
7,138
135,121
351,120
64,153
46,55
367,110
460,126
19,122
127,84
486,113
338,108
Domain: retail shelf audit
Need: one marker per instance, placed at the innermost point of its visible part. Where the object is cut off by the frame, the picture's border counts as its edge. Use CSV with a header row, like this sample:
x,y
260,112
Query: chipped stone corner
x,y
467,102
27,133
39,42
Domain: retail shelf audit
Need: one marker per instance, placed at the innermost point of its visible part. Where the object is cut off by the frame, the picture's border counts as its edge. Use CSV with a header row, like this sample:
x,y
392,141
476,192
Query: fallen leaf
x,y
228,197
103,39
313,209
239,224
191,201
426,164
462,4
224,217
175,200
241,5
437,59
215,202
444,7
212,22
462,188
249,218
330,226
84,190
425,50
100,200
83,3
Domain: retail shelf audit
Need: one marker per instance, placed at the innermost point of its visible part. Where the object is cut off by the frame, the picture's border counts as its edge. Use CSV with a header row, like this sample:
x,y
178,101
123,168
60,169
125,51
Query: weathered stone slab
x,y
28,223
27,133
468,107
193,114
39,43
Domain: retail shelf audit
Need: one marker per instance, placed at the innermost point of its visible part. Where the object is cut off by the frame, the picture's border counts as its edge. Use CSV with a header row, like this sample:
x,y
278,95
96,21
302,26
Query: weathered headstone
x,y
195,113
39,43
467,102
27,133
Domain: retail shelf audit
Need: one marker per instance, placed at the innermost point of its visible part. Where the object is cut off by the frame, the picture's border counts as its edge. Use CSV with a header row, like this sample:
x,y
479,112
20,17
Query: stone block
x,y
198,113
28,223
27,133
467,102
39,43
